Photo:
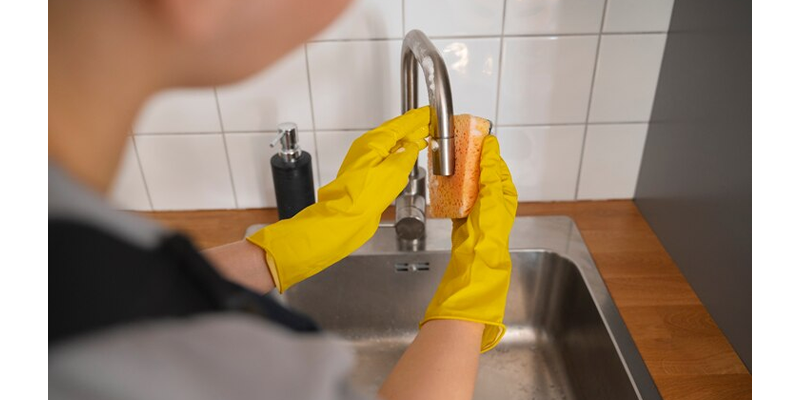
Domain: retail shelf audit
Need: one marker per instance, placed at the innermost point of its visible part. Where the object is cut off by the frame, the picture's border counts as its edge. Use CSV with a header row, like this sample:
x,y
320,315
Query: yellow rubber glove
x,y
375,170
475,285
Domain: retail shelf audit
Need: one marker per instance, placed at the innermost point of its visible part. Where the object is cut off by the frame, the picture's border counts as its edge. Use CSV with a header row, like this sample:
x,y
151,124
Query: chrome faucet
x,y
410,204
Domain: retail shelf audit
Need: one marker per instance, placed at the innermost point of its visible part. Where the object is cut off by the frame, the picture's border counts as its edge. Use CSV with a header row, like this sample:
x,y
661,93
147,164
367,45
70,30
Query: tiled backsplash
x,y
569,84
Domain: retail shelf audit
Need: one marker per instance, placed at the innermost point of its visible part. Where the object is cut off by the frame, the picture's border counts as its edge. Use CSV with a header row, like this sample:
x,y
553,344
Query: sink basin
x,y
565,338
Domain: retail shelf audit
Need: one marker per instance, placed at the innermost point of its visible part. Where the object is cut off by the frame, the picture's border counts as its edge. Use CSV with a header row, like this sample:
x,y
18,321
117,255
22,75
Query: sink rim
x,y
551,234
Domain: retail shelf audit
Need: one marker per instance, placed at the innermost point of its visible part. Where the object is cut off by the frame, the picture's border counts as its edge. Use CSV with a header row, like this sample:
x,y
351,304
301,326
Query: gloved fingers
x,y
402,158
491,172
496,187
413,125
505,174
374,146
490,157
509,190
421,144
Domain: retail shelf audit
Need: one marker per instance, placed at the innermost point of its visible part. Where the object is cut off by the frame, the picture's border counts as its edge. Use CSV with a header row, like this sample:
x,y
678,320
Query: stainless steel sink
x,y
565,337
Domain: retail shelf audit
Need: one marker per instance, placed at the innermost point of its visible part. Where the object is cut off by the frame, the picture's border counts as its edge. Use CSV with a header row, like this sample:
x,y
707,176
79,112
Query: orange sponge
x,y
453,196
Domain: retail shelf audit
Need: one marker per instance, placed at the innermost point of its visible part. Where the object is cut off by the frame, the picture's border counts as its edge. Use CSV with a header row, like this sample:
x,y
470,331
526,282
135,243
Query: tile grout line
x,y
313,116
591,93
572,124
273,131
513,35
225,146
141,171
403,16
178,133
500,68
581,123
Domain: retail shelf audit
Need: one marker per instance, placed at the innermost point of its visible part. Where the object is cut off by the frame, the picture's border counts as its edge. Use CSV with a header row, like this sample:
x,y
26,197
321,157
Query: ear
x,y
195,20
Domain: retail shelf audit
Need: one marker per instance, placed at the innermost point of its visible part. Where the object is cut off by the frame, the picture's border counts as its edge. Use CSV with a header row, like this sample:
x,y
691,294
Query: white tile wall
x,y
367,19
611,159
333,147
128,190
186,172
546,80
543,160
626,77
638,15
569,83
354,85
455,17
180,111
549,17
278,94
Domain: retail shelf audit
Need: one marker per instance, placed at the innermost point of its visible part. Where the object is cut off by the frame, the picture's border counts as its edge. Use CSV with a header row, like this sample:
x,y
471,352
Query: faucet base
x,y
410,207
410,217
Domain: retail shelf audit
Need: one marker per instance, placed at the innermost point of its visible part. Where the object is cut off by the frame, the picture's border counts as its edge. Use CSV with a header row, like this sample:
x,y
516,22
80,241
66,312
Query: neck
x,y
94,92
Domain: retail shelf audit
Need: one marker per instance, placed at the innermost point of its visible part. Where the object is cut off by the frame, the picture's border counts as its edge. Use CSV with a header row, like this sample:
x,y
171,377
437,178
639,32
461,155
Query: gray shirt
x,y
214,356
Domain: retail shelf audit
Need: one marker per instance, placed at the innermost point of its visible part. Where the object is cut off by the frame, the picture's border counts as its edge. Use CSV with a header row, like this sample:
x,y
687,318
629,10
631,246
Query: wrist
x,y
244,263
468,333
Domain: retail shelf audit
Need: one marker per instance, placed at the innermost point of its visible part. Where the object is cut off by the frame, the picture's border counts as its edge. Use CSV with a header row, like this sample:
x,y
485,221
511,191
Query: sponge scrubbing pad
x,y
453,196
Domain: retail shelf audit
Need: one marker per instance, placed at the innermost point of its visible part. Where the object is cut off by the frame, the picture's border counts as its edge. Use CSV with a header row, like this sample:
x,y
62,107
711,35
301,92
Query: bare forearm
x,y
242,262
441,363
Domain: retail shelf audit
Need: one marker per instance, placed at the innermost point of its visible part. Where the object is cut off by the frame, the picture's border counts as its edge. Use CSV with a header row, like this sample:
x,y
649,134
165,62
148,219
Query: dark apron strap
x,y
98,281
227,295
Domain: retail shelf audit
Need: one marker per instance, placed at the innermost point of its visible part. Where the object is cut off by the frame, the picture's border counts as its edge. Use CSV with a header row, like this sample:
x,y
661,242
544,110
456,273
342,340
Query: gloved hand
x,y
475,285
348,210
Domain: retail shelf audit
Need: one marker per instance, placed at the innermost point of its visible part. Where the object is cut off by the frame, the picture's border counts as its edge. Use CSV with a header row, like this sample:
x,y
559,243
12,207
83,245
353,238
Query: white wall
x,y
569,84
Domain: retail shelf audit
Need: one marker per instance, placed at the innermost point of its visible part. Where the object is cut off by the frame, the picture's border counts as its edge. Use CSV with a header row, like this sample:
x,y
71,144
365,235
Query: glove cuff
x,y
273,269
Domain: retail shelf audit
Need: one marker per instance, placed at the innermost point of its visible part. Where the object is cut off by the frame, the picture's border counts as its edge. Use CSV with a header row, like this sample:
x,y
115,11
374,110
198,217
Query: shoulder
x,y
209,356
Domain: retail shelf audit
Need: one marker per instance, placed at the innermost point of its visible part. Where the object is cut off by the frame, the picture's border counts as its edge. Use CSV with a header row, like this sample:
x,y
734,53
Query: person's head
x,y
107,56
199,42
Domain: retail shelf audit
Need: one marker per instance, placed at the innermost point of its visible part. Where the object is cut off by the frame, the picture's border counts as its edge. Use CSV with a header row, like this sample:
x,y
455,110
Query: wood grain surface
x,y
686,353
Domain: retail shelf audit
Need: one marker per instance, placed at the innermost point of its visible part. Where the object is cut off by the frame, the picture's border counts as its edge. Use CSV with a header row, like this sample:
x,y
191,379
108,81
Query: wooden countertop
x,y
686,353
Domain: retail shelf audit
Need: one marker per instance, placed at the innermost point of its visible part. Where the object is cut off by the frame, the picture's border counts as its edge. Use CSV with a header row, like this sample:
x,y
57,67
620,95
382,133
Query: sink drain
x,y
411,267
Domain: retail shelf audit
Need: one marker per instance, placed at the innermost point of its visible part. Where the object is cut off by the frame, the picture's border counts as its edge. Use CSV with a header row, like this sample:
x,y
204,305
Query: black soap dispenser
x,y
291,173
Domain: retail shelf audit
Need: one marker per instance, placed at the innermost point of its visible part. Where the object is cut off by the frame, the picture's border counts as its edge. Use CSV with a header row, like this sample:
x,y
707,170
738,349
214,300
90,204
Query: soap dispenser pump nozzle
x,y
287,135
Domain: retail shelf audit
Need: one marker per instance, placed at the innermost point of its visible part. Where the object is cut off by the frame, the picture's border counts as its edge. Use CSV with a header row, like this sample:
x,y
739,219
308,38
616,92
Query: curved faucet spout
x,y
417,48
410,204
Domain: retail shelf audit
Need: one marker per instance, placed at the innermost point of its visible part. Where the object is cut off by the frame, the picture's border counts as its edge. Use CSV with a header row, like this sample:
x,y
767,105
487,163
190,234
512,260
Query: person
x,y
135,311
